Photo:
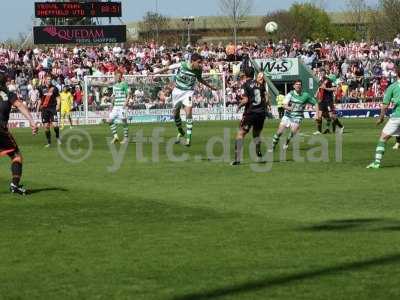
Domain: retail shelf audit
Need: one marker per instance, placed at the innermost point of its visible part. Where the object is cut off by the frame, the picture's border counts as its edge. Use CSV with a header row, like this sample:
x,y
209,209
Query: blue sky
x,y
16,15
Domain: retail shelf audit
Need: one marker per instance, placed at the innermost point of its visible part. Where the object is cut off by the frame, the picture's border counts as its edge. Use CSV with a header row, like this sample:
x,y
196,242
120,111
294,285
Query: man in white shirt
x,y
396,41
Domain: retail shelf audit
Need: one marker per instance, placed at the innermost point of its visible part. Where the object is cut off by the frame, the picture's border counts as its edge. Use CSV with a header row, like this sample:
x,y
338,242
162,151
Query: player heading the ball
x,y
185,80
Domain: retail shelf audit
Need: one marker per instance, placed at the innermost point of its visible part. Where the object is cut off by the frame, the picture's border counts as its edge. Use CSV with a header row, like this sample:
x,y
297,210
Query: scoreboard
x,y
77,9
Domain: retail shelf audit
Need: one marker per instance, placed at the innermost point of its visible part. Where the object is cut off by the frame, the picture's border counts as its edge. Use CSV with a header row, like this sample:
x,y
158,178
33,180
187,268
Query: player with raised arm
x,y
120,93
392,127
8,146
295,103
254,99
185,80
49,104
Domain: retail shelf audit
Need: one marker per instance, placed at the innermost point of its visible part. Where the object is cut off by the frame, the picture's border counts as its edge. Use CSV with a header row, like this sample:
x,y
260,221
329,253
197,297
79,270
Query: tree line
x,y
309,20
358,21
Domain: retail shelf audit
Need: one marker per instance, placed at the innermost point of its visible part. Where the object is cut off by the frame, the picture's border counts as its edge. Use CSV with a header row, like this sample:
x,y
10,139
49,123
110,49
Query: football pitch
x,y
130,224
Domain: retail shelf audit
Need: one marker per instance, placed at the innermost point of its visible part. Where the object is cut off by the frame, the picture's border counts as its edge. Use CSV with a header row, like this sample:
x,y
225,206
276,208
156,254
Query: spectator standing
x,y
78,98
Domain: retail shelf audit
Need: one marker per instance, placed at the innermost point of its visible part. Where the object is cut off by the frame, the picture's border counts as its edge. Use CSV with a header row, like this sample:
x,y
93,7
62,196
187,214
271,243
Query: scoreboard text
x,y
77,9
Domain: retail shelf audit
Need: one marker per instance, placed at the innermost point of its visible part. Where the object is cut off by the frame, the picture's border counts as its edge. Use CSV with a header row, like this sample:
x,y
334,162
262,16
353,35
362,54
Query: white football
x,y
271,27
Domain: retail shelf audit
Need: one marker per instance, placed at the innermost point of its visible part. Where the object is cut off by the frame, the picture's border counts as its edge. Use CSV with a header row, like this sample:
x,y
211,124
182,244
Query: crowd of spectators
x,y
360,70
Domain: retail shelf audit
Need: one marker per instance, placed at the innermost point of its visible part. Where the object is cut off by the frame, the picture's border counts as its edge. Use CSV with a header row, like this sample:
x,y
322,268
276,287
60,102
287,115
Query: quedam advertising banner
x,y
79,34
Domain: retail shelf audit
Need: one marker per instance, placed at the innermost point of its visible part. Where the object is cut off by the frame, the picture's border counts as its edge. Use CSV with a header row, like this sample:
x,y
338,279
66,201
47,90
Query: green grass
x,y
202,229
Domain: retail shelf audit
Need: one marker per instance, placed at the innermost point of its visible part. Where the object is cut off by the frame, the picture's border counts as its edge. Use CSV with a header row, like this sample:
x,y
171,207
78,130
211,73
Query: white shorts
x,y
290,122
392,127
118,113
180,97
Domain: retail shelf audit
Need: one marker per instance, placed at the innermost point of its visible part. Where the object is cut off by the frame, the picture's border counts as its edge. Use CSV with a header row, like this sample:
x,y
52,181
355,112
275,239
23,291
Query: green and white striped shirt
x,y
120,92
298,104
186,77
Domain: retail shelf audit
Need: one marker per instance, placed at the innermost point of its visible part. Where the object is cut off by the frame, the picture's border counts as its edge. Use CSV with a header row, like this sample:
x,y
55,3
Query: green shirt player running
x,y
295,103
392,127
185,80
120,92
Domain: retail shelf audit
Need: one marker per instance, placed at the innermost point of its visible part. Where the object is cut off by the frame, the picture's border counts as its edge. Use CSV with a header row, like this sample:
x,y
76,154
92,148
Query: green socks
x,y
380,150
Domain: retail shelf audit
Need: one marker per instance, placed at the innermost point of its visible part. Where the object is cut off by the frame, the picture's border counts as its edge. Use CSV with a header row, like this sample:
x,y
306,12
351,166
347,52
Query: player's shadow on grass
x,y
278,281
391,166
249,162
367,224
264,162
49,189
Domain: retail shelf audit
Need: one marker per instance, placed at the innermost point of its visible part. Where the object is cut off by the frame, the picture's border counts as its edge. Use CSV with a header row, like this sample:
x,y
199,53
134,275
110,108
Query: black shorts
x,y
49,115
326,107
8,146
255,120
